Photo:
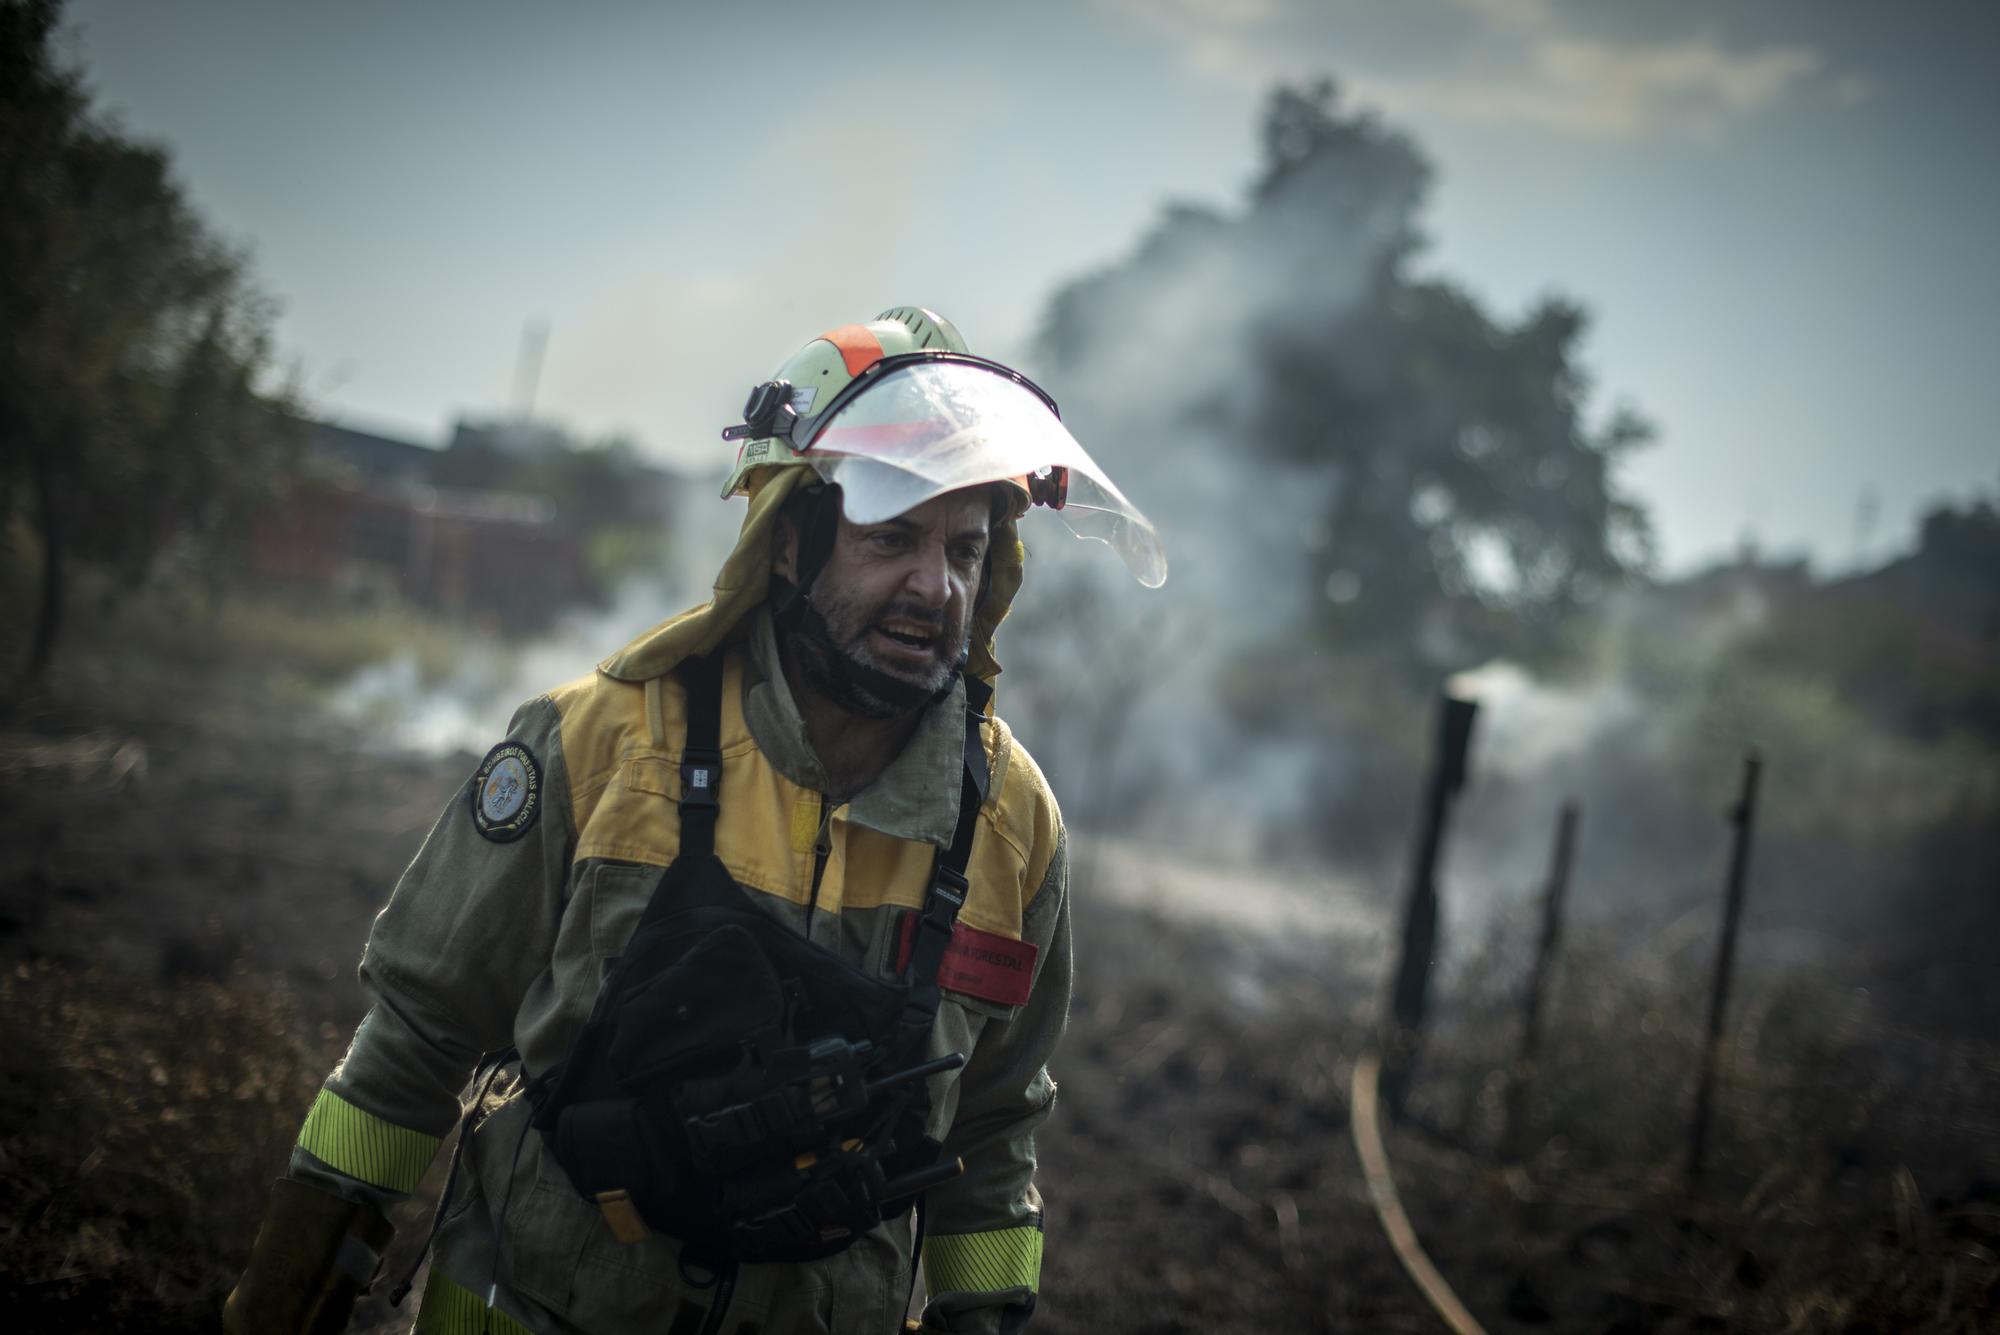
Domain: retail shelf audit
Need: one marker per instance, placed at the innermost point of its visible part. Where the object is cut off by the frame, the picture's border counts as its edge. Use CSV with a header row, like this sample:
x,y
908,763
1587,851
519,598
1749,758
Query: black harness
x,y
737,1086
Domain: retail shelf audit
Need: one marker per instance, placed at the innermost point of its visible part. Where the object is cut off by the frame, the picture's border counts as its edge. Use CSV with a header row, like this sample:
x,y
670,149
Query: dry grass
x,y
1853,1175
137,1123
289,648
1198,1171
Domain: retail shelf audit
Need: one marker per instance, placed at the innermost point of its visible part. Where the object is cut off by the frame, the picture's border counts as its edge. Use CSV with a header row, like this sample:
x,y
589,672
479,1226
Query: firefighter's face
x,y
895,600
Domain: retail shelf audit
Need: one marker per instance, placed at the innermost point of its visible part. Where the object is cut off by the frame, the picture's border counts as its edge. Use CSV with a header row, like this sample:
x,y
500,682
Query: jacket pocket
x,y
537,1240
654,774
619,892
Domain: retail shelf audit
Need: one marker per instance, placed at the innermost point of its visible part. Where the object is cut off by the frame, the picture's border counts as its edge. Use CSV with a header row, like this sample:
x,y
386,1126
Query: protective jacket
x,y
497,942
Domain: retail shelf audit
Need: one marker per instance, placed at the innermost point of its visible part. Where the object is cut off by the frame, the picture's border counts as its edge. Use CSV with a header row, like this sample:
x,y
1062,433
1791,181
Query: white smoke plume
x,y
393,707
1157,377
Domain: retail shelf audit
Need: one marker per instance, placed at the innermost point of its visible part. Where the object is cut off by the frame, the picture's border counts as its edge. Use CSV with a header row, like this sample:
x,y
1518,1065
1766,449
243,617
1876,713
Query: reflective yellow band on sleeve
x,y
451,1309
364,1146
1006,1258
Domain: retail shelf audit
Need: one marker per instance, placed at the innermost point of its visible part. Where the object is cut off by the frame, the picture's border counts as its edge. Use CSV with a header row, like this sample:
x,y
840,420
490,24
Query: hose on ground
x,y
1366,1120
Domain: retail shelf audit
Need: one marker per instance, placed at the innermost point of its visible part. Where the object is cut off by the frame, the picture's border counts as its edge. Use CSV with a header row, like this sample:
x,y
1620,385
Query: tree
x,y
134,345
1416,476
601,491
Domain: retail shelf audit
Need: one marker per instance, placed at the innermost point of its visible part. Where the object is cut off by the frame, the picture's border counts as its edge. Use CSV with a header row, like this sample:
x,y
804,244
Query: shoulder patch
x,y
988,966
507,792
980,964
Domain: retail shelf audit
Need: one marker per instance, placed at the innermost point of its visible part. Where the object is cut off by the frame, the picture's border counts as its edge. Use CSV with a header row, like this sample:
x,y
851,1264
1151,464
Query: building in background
x,y
370,522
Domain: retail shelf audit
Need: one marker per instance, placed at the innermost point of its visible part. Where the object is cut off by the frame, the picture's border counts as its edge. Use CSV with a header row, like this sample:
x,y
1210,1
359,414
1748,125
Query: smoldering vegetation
x,y
1372,491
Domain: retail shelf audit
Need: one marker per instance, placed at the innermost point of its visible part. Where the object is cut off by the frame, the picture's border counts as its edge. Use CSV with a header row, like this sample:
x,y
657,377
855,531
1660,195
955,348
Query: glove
x,y
314,1255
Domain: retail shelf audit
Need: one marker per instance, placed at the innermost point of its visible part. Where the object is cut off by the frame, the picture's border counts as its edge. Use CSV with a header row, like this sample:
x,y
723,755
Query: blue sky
x,y
1781,214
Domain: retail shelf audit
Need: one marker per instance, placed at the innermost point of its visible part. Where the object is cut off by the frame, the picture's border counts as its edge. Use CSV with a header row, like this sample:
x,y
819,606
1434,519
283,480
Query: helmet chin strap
x,y
857,687
814,514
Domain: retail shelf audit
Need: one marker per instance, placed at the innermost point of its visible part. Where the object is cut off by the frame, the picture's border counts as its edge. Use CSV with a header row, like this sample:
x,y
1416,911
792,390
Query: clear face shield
x,y
916,426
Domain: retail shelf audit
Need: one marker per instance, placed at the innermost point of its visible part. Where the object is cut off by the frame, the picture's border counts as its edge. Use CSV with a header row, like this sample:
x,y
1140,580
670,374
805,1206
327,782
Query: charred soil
x,y
189,864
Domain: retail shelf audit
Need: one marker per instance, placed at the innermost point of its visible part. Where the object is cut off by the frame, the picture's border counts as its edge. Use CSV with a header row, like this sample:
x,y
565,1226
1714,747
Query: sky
x,y
1779,214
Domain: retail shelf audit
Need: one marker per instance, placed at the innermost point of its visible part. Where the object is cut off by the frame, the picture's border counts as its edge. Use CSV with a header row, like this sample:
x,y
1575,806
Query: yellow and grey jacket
x,y
488,944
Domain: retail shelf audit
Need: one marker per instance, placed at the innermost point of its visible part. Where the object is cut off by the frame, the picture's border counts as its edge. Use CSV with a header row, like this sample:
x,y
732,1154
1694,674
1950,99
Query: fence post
x,y
1553,896
1743,816
1409,998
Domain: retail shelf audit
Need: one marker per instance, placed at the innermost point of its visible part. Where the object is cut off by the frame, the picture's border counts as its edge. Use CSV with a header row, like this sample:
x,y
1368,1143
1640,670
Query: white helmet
x,y
897,411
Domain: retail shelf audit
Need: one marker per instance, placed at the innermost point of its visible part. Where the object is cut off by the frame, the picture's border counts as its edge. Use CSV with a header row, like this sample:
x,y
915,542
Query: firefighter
x,y
757,938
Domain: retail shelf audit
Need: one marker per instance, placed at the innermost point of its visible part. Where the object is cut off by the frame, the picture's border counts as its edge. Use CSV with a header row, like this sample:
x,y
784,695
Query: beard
x,y
831,648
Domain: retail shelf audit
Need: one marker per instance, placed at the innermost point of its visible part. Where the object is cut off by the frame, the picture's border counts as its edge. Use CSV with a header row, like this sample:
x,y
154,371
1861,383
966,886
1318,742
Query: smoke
x,y
1206,738
395,708
1203,722
1532,726
1158,365
1630,734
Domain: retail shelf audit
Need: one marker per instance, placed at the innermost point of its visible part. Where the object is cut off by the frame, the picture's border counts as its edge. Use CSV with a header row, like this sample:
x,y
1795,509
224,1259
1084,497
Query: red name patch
x,y
980,964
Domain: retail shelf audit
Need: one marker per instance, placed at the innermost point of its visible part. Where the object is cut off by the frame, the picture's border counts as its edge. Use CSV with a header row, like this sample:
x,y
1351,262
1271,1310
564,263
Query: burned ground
x,y
187,872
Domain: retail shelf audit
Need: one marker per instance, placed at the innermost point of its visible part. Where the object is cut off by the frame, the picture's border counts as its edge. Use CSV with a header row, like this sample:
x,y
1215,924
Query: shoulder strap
x,y
948,884
974,782
701,783
977,696
701,754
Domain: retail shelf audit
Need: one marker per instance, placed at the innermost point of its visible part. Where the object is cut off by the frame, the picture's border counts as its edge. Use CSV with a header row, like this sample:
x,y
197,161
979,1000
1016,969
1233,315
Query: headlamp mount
x,y
767,412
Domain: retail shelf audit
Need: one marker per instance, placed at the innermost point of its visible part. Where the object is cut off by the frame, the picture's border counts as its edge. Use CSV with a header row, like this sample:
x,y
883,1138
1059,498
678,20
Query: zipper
x,y
822,849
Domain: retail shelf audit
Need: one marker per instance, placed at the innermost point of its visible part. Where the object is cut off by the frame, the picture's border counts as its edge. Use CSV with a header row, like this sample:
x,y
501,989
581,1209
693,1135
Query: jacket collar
x,y
916,797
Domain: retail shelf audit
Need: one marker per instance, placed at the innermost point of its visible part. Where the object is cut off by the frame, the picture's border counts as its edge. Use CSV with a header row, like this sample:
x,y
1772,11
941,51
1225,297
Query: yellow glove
x,y
314,1255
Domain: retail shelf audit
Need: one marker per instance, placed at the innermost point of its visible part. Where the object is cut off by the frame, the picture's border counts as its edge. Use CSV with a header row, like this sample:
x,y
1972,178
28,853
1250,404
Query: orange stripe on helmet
x,y
859,347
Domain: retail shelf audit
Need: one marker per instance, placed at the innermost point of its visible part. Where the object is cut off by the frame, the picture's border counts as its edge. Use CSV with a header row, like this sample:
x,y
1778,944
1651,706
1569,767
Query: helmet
x,y
898,410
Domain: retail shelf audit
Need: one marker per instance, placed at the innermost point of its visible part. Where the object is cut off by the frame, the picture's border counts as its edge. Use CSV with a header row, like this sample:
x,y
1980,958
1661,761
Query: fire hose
x,y
1365,1119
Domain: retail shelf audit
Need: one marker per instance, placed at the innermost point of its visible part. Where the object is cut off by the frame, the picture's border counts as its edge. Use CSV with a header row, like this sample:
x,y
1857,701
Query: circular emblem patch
x,y
506,792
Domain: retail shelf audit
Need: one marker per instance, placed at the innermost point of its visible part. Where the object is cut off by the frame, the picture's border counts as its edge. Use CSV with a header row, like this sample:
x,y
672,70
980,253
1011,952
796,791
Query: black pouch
x,y
739,1085
742,1089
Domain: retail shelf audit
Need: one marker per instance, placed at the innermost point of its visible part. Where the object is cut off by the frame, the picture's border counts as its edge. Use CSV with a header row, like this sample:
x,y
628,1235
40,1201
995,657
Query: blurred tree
x,y
1914,643
129,404
1443,498
602,491
591,486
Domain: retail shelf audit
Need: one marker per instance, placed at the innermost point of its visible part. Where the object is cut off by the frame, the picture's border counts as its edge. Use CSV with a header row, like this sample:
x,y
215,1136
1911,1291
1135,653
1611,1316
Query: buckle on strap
x,y
948,891
701,776
939,916
930,940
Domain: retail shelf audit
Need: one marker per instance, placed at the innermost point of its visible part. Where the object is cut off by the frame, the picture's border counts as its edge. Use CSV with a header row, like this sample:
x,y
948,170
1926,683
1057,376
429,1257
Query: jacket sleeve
x,y
983,1231
470,925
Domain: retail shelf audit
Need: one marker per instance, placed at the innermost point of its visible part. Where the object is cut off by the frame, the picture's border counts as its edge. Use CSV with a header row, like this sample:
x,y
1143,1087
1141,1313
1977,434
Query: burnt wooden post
x,y
1553,895
1409,998
1743,817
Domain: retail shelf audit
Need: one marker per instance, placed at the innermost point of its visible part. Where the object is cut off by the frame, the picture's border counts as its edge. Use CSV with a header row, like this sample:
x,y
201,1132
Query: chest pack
x,y
738,1087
